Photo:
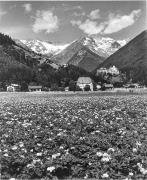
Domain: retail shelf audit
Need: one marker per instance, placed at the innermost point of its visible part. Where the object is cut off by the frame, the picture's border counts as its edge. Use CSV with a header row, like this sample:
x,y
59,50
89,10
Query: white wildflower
x,y
134,150
55,155
130,174
59,134
105,159
39,154
142,170
111,149
106,155
6,155
97,131
14,147
51,168
138,143
21,144
36,160
86,176
30,165
24,150
61,147
99,154
38,144
105,175
72,148
22,156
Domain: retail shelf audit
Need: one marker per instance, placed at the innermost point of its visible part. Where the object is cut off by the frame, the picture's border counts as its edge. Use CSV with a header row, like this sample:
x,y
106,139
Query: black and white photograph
x,y
73,90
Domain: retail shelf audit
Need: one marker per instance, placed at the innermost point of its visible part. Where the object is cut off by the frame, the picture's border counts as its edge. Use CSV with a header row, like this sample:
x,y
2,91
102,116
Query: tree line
x,y
6,40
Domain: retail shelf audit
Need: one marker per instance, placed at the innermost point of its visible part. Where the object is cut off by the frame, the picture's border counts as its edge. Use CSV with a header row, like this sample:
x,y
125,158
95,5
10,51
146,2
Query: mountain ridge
x,y
131,58
98,48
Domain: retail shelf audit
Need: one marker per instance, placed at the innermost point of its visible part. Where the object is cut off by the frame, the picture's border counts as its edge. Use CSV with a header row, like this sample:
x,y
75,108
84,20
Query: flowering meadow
x,y
65,136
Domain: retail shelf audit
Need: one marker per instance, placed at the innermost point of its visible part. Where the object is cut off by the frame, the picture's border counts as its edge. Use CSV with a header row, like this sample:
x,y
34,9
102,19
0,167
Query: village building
x,y
102,71
36,88
107,86
132,85
13,88
66,89
82,82
112,70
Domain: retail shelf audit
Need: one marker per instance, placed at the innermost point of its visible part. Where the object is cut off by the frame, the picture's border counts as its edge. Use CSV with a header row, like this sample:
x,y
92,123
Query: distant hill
x,y
131,58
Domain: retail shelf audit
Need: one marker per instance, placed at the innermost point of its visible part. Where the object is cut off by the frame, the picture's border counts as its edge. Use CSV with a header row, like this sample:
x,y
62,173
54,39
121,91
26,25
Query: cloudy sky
x,y
62,22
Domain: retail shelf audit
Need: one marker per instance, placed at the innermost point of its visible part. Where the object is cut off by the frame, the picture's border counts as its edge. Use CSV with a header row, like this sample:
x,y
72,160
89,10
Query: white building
x,y
34,88
102,71
113,70
13,88
83,81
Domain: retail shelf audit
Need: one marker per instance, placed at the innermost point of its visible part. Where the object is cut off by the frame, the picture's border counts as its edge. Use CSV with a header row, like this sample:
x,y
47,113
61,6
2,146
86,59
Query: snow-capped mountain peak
x,y
104,46
43,47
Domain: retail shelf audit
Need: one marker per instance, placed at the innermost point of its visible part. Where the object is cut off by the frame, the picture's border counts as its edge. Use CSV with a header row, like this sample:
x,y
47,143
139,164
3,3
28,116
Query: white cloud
x,y
89,27
95,14
113,24
27,7
45,21
118,22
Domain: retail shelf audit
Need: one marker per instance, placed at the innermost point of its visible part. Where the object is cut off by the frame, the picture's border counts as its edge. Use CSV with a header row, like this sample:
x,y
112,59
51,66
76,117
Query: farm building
x,y
107,86
13,88
82,82
34,88
135,85
66,88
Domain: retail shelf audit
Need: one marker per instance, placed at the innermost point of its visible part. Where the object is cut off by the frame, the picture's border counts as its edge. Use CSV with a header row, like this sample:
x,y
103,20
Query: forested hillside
x,y
21,65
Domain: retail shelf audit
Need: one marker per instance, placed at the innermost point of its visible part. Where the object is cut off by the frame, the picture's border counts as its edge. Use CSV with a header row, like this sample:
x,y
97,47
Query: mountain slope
x,y
86,59
132,58
87,52
20,64
17,52
78,54
70,53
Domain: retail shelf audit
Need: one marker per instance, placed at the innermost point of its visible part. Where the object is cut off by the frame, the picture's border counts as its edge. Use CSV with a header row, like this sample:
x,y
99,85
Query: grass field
x,y
73,135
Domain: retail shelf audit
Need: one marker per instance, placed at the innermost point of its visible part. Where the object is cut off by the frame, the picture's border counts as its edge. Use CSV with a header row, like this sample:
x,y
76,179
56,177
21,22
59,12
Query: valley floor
x,y
101,135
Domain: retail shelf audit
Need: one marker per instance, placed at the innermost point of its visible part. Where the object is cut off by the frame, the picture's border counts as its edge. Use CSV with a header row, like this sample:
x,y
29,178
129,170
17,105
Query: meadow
x,y
73,135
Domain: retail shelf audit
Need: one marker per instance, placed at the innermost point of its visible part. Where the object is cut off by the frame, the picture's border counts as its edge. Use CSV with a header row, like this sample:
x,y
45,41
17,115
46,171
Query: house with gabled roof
x,y
82,82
